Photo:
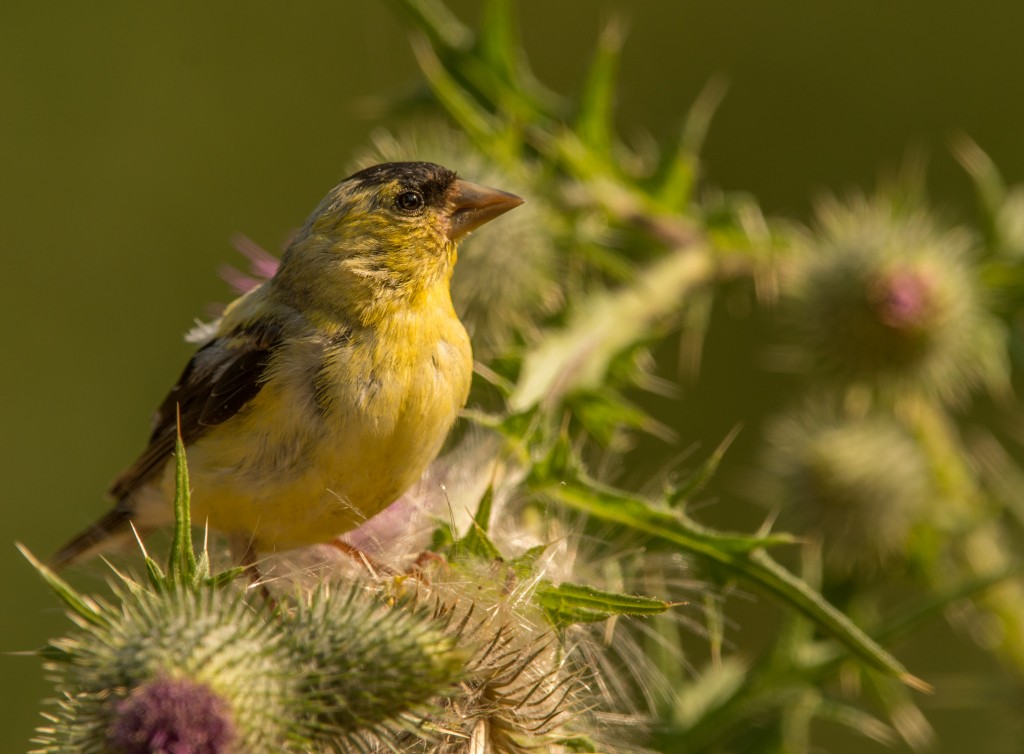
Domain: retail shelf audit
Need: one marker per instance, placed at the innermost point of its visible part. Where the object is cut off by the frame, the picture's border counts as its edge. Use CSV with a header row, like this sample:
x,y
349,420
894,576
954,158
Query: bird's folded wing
x,y
219,380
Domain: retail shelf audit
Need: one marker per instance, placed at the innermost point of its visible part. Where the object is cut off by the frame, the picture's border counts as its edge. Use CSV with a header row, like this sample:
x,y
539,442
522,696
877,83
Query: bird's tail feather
x,y
105,534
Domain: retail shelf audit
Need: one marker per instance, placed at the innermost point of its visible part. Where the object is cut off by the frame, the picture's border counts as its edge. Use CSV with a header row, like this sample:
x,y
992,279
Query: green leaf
x,y
476,543
566,604
580,744
155,574
681,173
711,689
442,538
182,562
595,120
494,378
480,125
903,622
607,260
82,606
434,19
524,565
485,88
694,483
989,185
740,555
498,44
857,721
605,412
223,578
559,463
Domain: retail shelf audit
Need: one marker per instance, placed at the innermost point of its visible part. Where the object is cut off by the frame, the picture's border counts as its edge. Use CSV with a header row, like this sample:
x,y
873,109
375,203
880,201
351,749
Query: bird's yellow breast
x,y
344,424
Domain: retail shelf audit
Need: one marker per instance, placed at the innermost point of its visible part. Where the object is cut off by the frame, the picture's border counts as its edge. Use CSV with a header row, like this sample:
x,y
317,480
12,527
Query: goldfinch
x,y
320,396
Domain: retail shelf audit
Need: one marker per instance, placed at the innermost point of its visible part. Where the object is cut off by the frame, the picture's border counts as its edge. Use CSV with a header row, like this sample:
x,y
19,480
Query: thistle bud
x,y
177,672
858,484
884,297
364,666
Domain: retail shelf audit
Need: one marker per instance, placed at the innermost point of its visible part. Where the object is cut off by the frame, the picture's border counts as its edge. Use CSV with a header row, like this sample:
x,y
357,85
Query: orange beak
x,y
471,205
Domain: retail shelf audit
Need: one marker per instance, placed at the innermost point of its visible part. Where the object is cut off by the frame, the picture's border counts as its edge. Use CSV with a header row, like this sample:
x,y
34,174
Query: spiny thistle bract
x,y
859,483
884,297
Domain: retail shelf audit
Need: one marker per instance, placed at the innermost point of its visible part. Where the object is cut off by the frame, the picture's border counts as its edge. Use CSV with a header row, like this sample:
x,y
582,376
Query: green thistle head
x,y
368,672
860,484
197,672
882,296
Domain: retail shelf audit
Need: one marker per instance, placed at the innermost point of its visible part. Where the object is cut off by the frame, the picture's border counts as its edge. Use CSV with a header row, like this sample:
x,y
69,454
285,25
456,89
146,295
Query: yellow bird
x,y
320,396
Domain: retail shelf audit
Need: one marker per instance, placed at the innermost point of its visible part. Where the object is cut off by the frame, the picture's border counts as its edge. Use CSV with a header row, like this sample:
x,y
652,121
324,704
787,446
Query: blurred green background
x,y
137,138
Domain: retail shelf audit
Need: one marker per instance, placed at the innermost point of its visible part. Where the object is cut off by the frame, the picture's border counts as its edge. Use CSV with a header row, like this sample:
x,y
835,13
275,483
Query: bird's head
x,y
386,235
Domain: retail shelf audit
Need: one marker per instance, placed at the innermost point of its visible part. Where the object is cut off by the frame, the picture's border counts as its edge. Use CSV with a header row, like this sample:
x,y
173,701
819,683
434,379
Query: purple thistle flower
x,y
172,716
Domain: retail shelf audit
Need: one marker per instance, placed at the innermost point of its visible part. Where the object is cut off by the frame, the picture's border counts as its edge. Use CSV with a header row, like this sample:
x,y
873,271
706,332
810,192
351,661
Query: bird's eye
x,y
409,201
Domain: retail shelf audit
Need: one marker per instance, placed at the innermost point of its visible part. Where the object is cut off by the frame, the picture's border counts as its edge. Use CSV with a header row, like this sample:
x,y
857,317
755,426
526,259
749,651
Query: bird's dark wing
x,y
221,378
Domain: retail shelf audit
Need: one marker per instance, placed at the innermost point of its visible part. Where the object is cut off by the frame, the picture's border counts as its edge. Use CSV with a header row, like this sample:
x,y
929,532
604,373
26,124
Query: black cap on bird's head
x,y
423,185
430,180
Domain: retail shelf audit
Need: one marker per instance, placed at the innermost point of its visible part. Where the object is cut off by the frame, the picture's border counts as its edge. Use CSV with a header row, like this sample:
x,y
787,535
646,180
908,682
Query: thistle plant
x,y
529,596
